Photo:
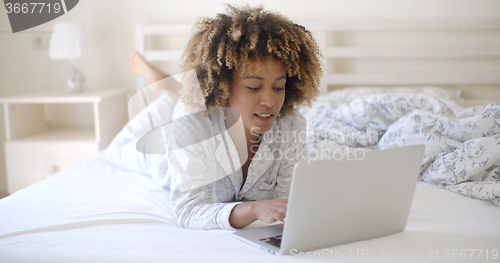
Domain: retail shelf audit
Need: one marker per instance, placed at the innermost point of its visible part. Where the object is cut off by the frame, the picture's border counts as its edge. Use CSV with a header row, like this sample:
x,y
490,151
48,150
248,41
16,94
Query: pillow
x,y
338,97
122,152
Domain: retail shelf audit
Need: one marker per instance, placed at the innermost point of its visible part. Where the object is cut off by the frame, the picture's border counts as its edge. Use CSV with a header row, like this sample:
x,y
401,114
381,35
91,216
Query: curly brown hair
x,y
244,35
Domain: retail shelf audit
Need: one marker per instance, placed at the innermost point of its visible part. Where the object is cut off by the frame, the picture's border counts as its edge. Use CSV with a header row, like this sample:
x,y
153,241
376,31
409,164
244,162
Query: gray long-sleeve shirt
x,y
206,180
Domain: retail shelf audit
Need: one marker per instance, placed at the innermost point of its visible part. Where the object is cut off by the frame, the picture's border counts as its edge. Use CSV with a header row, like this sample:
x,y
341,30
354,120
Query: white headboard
x,y
451,53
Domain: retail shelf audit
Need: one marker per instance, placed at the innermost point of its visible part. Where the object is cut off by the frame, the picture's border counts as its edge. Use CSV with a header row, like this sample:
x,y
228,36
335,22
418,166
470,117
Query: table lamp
x,y
65,44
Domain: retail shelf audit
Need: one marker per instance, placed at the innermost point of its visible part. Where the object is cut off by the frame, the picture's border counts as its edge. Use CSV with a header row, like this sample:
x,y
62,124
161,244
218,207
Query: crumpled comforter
x,y
462,145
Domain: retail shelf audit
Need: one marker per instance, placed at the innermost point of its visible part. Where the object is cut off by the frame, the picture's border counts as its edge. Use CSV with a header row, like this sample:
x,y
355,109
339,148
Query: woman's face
x,y
258,93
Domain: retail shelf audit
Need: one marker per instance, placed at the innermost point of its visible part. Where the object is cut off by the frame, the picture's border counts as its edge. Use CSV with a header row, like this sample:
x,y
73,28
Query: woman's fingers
x,y
278,216
281,210
273,210
283,205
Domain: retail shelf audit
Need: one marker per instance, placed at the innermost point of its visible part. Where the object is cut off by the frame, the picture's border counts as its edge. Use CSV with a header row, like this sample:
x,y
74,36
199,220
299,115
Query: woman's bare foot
x,y
156,79
143,69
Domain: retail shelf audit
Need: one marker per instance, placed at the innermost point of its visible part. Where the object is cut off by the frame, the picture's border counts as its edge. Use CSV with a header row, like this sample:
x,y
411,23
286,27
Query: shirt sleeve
x,y
295,150
190,193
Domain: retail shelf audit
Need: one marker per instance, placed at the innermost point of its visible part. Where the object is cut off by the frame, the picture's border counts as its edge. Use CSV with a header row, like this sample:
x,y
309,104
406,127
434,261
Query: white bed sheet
x,y
95,212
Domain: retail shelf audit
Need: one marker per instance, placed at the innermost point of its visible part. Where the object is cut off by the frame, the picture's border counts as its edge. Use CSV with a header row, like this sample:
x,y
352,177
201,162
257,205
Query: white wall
x,y
109,35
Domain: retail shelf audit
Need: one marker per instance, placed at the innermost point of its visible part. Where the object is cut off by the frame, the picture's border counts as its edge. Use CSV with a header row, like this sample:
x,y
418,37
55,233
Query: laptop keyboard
x,y
275,241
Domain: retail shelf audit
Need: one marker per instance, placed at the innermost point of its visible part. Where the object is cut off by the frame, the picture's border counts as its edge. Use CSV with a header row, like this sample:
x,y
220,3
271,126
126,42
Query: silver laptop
x,y
334,202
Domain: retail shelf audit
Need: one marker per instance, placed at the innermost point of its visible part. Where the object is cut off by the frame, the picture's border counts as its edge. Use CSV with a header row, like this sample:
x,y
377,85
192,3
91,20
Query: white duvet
x,y
462,144
95,212
98,212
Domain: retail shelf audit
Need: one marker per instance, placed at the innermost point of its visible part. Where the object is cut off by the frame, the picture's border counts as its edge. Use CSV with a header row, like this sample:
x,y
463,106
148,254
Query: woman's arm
x,y
193,173
268,211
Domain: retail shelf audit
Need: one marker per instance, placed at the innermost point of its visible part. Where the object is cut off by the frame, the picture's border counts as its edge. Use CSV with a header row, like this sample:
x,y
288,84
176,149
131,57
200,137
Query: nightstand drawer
x,y
28,162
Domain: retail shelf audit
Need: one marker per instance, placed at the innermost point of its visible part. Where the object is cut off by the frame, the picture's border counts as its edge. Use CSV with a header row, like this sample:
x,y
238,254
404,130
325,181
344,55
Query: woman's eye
x,y
278,89
253,88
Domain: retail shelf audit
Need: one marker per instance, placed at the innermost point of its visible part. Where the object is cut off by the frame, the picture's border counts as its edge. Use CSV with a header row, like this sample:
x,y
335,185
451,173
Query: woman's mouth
x,y
264,118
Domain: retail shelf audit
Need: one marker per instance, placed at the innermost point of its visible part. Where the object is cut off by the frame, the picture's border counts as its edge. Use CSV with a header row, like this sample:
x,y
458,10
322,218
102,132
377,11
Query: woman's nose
x,y
267,99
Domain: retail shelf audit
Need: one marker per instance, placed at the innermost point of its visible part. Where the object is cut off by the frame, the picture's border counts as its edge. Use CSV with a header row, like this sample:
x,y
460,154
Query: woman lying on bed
x,y
264,66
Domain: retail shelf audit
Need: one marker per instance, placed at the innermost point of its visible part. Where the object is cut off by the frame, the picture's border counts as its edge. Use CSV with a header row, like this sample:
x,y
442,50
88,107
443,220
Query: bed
x,y
109,208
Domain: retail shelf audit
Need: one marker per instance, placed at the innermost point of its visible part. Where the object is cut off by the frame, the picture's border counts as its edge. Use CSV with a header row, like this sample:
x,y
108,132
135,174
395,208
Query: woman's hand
x,y
268,211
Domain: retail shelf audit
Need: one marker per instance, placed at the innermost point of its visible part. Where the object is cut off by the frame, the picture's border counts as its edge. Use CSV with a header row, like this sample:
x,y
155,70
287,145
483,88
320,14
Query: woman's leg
x,y
156,79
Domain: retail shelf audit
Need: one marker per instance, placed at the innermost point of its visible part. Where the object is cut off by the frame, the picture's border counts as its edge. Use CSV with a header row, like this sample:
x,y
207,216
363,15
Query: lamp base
x,y
75,81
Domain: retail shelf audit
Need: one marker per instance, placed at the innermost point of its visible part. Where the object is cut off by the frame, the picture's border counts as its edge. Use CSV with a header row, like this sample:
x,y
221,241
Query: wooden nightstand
x,y
34,150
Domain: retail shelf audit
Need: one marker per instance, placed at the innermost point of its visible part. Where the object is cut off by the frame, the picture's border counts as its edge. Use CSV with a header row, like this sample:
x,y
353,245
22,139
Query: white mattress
x,y
95,212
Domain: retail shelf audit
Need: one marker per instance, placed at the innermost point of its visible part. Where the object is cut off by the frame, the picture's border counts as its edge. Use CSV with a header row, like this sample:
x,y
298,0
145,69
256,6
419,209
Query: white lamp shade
x,y
65,42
